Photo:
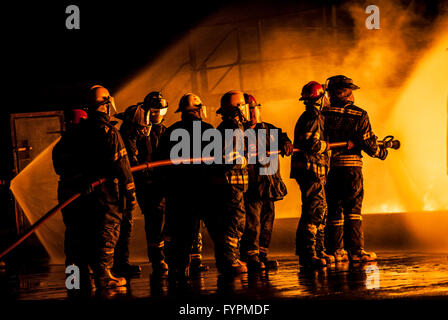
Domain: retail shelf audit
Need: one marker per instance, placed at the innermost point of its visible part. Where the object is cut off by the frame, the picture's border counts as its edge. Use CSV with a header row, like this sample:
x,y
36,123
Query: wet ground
x,y
395,275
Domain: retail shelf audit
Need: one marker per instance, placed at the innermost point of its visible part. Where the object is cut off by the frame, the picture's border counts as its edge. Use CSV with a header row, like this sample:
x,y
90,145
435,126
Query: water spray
x,y
388,141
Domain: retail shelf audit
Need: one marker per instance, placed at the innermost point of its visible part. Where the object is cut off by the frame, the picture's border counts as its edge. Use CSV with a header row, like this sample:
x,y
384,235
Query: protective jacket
x,y
92,151
141,148
310,138
349,122
234,173
264,186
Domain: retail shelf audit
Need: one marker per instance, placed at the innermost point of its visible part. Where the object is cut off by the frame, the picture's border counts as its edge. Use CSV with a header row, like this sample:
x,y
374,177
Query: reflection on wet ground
x,y
404,275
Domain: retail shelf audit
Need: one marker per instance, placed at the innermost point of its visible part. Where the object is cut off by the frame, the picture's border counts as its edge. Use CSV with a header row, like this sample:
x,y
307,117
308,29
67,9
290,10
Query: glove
x,y
382,154
350,145
287,149
131,201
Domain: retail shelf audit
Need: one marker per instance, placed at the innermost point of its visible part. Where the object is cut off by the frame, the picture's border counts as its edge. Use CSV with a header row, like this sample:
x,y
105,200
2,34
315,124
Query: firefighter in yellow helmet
x,y
186,188
231,179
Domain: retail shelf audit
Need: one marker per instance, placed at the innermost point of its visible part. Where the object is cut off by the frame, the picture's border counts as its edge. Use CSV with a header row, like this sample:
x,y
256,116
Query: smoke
x,y
400,68
313,44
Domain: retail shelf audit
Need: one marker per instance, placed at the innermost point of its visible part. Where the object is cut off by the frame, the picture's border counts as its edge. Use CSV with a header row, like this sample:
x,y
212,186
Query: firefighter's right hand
x,y
287,149
350,145
382,154
131,201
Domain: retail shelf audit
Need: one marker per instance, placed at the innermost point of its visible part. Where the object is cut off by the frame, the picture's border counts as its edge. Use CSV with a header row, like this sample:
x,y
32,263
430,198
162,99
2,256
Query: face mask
x,y
112,107
255,115
156,115
203,112
244,111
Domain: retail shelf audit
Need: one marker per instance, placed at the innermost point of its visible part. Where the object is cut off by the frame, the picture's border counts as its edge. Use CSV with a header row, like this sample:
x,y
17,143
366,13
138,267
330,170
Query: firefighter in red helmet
x,y
309,167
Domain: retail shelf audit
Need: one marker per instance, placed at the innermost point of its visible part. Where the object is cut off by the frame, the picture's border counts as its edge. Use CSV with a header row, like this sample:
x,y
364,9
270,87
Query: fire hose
x,y
387,142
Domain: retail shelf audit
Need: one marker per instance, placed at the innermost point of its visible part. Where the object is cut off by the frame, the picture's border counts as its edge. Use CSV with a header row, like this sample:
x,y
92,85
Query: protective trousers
x,y
121,254
196,249
153,206
182,219
260,216
310,231
78,237
345,194
231,215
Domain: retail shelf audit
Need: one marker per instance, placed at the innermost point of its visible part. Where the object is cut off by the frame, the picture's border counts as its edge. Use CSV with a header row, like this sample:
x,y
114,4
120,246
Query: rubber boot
x,y
340,255
235,268
127,270
254,264
105,279
160,268
329,259
362,256
270,264
311,261
196,266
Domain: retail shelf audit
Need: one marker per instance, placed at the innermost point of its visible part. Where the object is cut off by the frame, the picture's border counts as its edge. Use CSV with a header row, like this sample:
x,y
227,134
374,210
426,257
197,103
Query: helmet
x,y
339,82
137,118
191,102
76,115
156,105
254,109
99,96
312,91
250,99
155,100
233,104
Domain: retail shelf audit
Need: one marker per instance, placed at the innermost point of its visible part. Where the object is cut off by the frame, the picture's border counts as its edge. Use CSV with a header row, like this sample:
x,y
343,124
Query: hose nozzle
x,y
389,142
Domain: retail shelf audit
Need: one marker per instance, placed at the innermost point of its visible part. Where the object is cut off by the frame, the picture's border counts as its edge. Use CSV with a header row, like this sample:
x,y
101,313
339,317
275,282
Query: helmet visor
x,y
244,111
160,112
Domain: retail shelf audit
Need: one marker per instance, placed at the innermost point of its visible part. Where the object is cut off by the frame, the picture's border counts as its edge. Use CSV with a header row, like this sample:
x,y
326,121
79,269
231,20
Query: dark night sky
x,y
114,41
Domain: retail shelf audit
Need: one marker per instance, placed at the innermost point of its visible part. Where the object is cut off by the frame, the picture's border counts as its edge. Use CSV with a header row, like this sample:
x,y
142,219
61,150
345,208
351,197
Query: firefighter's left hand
x,y
287,149
382,153
350,145
131,202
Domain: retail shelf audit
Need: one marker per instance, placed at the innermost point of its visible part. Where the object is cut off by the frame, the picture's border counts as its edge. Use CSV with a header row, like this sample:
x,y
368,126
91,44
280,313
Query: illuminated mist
x,y
409,105
402,70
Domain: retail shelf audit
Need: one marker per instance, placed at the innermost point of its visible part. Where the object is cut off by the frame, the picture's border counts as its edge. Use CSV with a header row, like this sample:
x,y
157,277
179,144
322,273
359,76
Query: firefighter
x,y
231,182
186,185
346,122
262,192
77,236
94,151
141,130
309,167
